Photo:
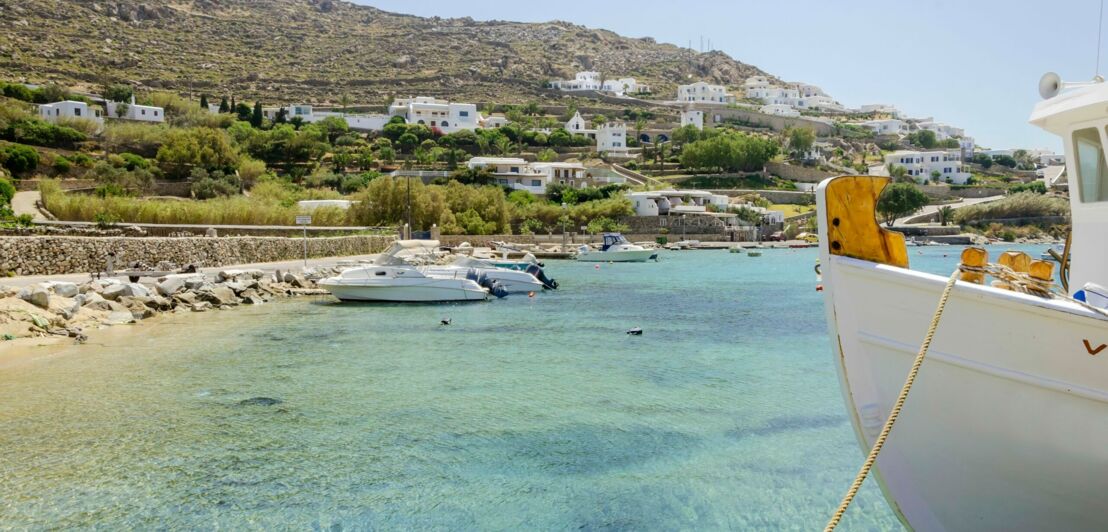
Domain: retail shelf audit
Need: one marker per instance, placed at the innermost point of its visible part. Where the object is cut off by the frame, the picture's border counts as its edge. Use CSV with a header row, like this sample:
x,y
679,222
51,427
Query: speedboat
x,y
1004,428
405,284
616,248
512,281
392,276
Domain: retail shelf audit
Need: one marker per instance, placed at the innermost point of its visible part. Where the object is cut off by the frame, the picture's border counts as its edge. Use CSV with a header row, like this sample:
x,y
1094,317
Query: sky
x,y
973,64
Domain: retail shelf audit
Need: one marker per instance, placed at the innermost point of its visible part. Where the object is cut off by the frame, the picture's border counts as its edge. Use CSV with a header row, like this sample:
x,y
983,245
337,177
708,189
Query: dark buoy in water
x,y
635,331
445,321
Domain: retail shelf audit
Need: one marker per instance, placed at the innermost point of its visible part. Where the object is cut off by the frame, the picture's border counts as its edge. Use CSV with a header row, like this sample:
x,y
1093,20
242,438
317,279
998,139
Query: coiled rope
x,y
880,442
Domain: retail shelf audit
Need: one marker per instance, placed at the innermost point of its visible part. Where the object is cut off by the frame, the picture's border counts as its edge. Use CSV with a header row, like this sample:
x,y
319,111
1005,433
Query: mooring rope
x,y
880,442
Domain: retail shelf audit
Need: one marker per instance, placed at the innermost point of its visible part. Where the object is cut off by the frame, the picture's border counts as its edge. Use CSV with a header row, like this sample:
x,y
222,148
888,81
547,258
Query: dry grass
x,y
1022,205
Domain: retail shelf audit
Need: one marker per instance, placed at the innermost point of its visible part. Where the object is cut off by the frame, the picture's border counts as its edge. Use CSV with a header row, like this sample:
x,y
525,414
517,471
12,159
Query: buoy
x,y
531,294
597,266
635,331
445,321
819,288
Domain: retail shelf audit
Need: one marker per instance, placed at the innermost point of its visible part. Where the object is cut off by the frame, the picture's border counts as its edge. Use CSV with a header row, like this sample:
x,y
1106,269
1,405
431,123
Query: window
x,y
1091,170
514,170
445,124
76,111
463,113
433,123
536,182
155,113
143,112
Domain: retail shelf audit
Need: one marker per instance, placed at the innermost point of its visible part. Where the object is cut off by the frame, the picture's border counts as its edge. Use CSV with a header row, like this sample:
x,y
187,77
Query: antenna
x,y
1099,27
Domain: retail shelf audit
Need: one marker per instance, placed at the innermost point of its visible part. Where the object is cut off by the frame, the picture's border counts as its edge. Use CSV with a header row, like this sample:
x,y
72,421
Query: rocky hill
x,y
318,50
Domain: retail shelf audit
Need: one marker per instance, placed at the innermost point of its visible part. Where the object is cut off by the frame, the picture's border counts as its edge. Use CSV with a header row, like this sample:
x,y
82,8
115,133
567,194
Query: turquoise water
x,y
523,414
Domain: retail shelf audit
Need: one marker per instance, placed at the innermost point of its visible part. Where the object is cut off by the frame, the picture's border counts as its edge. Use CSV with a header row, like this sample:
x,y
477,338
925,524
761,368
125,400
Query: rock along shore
x,y
66,309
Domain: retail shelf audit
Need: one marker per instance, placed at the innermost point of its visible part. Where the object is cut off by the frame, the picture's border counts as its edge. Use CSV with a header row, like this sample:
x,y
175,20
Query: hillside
x,y
317,50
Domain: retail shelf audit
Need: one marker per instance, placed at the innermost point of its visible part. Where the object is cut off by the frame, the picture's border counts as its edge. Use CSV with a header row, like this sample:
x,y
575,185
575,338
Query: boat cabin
x,y
613,239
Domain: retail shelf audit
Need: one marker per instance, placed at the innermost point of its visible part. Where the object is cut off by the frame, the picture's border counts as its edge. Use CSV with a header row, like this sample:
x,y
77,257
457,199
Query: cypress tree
x,y
204,102
233,105
224,107
256,117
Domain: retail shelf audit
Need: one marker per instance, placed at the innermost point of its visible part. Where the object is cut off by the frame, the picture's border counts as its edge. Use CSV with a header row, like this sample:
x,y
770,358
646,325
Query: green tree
x,y
117,92
935,175
224,107
800,141
243,111
19,158
899,199
898,173
547,155
7,192
204,102
202,147
407,142
946,214
985,161
256,116
924,138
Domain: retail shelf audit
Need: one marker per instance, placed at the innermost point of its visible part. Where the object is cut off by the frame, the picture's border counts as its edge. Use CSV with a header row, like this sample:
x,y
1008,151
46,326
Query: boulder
x,y
171,285
251,297
236,287
114,292
201,306
65,289
39,297
91,298
120,317
295,280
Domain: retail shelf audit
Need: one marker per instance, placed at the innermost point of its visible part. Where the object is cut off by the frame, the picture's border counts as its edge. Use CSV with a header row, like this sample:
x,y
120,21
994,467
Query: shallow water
x,y
523,414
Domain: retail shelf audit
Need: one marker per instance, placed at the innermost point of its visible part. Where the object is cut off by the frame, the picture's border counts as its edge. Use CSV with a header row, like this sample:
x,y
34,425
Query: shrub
x,y
19,158
135,137
7,191
132,161
41,133
81,159
1020,205
899,199
62,165
203,148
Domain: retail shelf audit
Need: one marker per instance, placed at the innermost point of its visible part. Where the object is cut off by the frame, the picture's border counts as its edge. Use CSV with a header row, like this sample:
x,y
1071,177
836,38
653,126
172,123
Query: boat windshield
x,y
612,240
1092,173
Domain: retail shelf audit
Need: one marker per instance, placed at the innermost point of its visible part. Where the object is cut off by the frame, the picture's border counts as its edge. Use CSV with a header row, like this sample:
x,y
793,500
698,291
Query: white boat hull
x,y
420,290
1005,428
617,256
513,281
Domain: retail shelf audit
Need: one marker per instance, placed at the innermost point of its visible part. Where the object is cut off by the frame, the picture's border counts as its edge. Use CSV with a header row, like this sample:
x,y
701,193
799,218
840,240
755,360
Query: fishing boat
x,y
616,248
1006,424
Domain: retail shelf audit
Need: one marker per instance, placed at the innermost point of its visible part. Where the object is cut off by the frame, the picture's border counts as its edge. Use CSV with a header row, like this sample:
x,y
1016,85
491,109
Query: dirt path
x,y
24,203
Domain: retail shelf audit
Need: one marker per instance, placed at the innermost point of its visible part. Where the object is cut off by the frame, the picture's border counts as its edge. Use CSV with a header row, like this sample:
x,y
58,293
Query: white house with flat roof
x,y
778,109
692,117
922,164
133,111
880,108
623,86
888,126
671,202
701,92
52,112
307,113
435,113
519,174
612,137
582,81
492,121
942,131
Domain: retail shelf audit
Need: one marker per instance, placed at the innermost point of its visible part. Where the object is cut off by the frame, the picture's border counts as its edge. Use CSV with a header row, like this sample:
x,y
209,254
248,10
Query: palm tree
x,y
344,100
946,214
640,125
898,173
503,145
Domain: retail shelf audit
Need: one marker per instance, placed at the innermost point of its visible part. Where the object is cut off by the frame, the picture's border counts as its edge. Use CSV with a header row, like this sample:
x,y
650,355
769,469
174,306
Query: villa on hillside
x,y
612,138
888,126
518,174
307,113
926,165
133,111
592,81
692,117
942,131
777,109
52,112
433,112
880,108
491,121
701,92
671,202
796,95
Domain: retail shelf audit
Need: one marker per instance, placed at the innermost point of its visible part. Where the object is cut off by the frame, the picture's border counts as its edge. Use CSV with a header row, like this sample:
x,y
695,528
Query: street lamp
x,y
564,216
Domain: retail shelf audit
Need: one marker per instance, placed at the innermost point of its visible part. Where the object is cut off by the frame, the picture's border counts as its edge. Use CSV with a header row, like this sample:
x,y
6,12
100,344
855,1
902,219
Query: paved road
x,y
931,209
24,203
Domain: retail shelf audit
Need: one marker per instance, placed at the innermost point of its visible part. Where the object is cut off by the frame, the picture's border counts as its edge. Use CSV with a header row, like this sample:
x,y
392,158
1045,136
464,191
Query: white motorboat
x,y
392,276
512,281
616,248
405,284
1005,426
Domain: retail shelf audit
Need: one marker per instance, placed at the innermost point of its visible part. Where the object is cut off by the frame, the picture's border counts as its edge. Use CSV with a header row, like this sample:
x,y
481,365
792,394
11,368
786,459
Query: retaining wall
x,y
50,255
803,174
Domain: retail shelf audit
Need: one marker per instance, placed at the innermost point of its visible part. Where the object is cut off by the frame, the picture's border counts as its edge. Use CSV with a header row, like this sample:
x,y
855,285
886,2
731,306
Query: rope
x,y
880,442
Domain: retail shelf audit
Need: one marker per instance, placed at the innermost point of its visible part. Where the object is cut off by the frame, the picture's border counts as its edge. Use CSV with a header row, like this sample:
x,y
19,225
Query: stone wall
x,y
781,197
944,191
51,255
774,122
803,174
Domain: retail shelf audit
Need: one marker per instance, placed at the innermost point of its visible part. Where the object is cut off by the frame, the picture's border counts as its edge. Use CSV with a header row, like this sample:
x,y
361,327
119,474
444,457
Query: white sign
x,y
303,220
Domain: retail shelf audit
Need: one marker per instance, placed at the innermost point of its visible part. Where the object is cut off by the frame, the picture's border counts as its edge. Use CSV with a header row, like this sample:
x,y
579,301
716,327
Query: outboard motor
x,y
541,276
494,286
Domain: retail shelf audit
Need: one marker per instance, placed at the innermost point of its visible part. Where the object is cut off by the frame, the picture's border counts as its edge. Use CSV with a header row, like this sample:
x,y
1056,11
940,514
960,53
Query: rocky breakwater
x,y
70,309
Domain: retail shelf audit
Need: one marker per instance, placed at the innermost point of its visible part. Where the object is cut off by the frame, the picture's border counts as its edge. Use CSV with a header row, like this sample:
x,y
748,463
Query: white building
x,y
519,174
583,81
675,202
820,102
309,114
921,165
942,131
888,126
692,117
52,112
967,146
623,86
492,121
612,138
432,112
133,111
577,124
778,109
880,108
702,92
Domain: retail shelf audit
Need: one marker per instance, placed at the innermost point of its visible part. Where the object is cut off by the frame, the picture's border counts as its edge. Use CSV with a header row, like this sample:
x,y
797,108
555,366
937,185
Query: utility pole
x,y
564,216
409,179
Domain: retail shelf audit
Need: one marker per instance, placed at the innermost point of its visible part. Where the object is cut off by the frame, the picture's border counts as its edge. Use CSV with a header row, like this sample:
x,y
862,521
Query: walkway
x,y
932,209
26,203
